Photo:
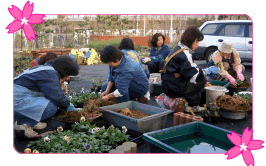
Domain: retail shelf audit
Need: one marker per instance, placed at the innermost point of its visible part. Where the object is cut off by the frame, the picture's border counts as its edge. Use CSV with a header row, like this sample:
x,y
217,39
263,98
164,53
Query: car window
x,y
210,29
233,31
250,31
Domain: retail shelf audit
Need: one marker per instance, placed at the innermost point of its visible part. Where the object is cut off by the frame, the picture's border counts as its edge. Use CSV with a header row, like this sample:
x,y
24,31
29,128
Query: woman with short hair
x,y
182,81
158,52
126,79
38,94
128,48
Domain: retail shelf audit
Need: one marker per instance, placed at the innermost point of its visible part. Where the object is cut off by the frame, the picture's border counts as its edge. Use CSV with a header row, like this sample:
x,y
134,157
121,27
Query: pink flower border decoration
x,y
243,145
24,19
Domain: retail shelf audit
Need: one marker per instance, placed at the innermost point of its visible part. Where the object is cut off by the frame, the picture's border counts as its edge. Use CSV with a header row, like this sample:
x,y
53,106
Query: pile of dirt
x,y
131,113
233,103
90,110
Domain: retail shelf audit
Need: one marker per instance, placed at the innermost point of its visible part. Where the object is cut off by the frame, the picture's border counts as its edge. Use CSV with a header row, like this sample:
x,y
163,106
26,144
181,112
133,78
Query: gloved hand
x,y
71,108
231,79
239,74
146,59
211,70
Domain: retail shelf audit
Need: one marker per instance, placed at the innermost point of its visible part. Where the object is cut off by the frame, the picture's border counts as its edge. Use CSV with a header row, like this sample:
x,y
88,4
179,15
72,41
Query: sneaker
x,y
40,126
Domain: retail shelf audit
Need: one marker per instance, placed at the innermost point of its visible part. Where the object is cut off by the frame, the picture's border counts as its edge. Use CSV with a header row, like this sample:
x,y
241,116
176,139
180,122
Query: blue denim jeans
x,y
134,91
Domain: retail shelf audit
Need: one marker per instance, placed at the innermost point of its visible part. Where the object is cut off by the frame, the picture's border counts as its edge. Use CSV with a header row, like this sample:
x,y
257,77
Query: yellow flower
x,y
60,129
124,129
82,119
66,138
46,139
28,150
35,151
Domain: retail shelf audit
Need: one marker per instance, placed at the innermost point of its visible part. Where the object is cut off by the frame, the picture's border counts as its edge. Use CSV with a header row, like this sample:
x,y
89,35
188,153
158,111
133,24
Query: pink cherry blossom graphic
x,y
243,145
24,19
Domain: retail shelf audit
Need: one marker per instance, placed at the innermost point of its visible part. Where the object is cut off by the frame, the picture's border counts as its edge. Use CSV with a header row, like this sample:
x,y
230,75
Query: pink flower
x,y
243,145
24,19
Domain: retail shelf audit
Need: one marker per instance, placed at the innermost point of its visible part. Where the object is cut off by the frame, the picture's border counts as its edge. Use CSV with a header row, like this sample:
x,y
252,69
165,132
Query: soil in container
x,y
245,84
233,103
90,110
131,113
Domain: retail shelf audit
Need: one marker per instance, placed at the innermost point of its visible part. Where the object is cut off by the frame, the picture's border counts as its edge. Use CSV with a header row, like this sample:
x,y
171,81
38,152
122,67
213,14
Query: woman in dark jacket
x,y
159,52
181,78
38,94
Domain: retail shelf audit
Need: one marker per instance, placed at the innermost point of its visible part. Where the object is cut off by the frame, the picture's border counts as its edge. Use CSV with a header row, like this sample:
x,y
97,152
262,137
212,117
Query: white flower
x,y
97,129
124,129
82,119
99,93
102,128
70,97
60,129
46,139
105,134
93,131
74,93
77,123
93,93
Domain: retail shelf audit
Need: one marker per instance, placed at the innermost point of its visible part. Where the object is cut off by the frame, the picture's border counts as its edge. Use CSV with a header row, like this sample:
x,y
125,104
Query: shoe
x,y
40,126
28,131
143,100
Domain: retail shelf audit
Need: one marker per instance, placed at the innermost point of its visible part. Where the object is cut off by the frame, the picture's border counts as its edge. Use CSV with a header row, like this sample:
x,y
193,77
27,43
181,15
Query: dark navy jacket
x,y
180,86
157,56
48,82
127,71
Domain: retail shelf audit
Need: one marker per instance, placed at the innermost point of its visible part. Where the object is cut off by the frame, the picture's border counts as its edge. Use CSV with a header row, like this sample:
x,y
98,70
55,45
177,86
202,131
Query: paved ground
x,y
88,73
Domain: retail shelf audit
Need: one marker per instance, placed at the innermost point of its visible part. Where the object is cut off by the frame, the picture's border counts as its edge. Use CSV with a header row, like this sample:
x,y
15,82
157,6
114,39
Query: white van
x,y
239,32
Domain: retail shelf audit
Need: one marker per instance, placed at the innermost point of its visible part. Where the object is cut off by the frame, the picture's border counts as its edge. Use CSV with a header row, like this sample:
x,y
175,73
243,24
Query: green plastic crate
x,y
195,136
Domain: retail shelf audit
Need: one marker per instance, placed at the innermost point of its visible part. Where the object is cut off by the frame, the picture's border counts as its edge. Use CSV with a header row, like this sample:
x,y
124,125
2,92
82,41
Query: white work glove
x,y
145,60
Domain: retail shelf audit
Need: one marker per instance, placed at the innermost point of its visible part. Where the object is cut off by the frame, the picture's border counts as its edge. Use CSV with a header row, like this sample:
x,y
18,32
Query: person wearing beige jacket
x,y
227,58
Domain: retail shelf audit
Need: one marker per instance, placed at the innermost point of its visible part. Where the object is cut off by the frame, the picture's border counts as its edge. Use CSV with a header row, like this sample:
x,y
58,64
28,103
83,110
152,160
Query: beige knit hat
x,y
226,46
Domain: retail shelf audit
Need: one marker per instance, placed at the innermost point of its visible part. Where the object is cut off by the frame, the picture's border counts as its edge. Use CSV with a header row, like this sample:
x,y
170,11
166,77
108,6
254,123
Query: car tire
x,y
208,54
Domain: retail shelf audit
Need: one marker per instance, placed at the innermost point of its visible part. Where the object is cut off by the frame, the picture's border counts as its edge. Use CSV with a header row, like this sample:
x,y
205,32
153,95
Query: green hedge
x,y
99,45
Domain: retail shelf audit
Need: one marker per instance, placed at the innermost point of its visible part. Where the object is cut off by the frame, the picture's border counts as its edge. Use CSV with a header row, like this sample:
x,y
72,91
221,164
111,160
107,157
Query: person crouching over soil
x,y
41,60
37,93
228,62
127,78
182,81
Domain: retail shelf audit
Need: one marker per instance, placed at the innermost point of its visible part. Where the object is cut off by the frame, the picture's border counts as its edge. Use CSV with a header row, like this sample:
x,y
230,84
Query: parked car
x,y
239,32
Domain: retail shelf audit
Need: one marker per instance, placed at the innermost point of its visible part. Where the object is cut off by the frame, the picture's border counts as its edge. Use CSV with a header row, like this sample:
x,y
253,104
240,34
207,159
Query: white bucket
x,y
212,93
152,80
158,75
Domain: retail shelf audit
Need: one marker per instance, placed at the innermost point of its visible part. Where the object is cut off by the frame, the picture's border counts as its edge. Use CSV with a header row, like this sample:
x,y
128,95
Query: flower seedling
x,y
218,64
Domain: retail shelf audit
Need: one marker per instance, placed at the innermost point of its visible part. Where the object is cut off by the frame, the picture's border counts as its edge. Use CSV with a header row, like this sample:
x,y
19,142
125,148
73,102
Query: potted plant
x,y
205,114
